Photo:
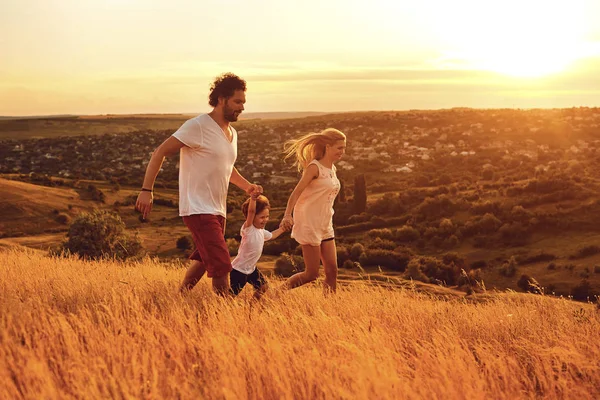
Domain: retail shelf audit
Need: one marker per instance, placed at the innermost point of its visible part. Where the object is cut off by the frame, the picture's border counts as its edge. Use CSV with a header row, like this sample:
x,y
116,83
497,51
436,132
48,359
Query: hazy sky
x,y
135,56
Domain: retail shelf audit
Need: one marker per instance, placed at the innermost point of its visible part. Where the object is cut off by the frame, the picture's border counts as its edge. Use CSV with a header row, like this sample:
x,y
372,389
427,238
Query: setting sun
x,y
518,38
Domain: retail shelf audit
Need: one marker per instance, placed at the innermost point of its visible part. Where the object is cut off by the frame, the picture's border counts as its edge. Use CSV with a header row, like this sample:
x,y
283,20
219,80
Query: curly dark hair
x,y
224,86
261,203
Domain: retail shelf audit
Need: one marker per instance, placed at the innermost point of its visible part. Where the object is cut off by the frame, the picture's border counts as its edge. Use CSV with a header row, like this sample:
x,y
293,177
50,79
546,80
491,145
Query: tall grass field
x,y
73,329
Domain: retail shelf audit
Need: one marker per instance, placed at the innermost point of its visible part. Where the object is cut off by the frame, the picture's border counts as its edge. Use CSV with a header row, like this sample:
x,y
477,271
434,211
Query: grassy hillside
x,y
50,127
97,330
30,209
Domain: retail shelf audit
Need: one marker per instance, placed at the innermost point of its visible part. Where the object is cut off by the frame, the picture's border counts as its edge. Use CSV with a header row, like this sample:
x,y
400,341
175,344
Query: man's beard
x,y
229,114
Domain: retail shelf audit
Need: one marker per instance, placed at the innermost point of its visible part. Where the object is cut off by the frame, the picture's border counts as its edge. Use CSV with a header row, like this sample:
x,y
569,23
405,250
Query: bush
x,y
356,251
454,258
407,234
487,207
537,258
233,246
384,233
279,246
481,225
439,271
385,258
451,242
414,271
479,264
101,234
514,234
63,219
440,206
96,194
583,291
520,214
586,251
383,244
358,218
343,255
348,264
597,269
184,243
529,284
287,265
509,268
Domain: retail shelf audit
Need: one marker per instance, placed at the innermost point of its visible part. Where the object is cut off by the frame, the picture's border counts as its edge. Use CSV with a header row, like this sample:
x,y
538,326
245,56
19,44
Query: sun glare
x,y
521,38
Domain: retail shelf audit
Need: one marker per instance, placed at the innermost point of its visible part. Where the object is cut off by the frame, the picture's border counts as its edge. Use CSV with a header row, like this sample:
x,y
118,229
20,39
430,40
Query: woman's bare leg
x,y
312,260
329,258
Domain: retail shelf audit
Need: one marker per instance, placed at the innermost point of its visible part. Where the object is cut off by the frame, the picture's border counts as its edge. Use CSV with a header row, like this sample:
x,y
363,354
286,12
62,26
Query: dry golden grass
x,y
73,329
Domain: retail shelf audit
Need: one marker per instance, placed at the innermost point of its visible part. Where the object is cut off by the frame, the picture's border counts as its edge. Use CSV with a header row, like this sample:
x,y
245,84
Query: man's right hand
x,y
144,203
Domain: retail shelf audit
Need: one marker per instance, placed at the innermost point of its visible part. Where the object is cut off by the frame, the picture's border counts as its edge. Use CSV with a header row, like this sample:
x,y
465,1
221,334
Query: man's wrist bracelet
x,y
146,190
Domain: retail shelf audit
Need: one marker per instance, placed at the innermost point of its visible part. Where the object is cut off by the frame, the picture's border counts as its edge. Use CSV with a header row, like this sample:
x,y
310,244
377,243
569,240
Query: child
x,y
254,235
312,204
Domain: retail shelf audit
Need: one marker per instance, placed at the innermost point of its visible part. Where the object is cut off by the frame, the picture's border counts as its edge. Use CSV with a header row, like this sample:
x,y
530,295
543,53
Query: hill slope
x,y
106,329
32,209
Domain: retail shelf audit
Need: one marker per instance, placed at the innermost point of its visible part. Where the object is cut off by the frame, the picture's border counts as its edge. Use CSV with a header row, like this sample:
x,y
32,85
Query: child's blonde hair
x,y
311,146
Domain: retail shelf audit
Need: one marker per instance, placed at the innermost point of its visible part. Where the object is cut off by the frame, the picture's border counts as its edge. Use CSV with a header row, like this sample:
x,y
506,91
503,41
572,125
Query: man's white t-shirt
x,y
251,247
205,165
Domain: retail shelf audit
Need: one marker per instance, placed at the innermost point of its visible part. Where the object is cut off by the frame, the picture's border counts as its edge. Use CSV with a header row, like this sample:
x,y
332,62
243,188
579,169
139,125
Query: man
x,y
207,145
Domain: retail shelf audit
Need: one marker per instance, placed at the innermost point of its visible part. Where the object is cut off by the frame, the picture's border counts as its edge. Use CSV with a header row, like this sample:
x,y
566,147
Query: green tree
x,y
360,194
101,234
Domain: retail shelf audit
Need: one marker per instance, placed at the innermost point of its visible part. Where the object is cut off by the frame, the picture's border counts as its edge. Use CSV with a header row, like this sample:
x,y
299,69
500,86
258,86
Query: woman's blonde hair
x,y
310,147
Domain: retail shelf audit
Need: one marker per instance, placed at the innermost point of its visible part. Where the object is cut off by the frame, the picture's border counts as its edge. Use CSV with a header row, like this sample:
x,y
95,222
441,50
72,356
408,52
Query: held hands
x,y
144,203
254,190
287,222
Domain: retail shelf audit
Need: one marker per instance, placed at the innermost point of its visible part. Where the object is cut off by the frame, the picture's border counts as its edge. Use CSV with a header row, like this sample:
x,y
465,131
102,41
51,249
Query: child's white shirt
x,y
250,250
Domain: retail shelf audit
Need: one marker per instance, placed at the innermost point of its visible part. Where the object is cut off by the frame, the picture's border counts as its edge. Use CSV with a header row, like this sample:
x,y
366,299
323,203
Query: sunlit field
x,y
75,329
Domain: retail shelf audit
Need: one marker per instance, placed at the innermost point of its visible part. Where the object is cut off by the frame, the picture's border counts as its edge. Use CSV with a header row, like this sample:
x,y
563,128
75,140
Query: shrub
x,y
63,219
509,268
451,242
529,284
184,243
597,269
551,266
233,246
358,218
356,251
487,207
287,265
514,234
479,264
520,214
348,264
407,234
383,244
583,291
96,194
454,258
101,234
343,255
437,207
414,271
377,221
385,258
446,228
482,225
384,233
279,246
542,256
439,271
586,251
